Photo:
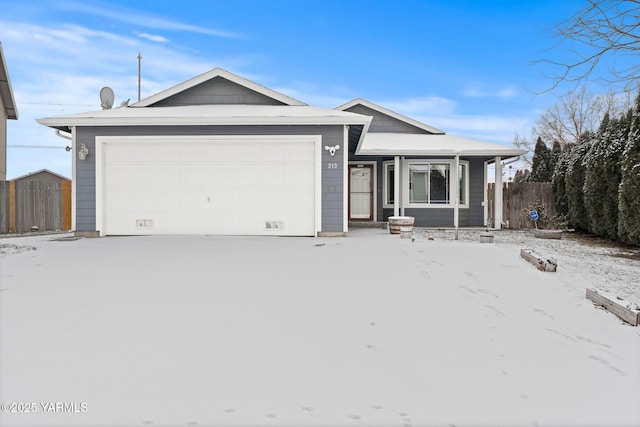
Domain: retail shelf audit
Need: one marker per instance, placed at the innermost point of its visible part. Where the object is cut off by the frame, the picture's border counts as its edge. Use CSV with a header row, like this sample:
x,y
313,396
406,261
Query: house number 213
x,y
332,166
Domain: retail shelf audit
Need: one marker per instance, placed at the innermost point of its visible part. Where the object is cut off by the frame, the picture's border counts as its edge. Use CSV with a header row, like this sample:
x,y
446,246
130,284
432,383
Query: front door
x,y
361,192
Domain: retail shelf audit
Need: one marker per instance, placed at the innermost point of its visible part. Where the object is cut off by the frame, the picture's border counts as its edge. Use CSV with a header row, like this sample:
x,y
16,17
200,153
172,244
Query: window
x,y
427,183
462,174
389,183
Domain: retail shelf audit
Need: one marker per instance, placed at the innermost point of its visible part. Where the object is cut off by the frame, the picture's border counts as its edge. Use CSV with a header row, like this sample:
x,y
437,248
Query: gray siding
x,y
384,123
217,91
332,182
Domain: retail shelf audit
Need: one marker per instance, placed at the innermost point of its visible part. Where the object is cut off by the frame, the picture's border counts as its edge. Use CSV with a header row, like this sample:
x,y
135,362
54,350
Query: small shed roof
x,y
6,93
38,172
405,144
217,72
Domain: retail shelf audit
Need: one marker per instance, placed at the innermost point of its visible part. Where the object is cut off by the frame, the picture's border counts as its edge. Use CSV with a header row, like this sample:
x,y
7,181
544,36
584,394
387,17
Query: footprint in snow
x,y
147,422
307,408
377,407
270,415
229,410
192,423
403,414
354,417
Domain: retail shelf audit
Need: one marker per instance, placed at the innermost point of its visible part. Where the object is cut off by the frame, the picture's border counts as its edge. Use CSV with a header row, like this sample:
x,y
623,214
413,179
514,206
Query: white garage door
x,y
214,185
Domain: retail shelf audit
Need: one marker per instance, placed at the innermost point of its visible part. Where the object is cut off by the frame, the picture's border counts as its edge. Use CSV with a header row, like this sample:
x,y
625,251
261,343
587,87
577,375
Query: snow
x,y
385,143
367,330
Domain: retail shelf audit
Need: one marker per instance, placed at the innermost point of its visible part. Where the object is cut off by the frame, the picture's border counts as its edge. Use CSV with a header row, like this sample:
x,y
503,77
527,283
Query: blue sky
x,y
465,67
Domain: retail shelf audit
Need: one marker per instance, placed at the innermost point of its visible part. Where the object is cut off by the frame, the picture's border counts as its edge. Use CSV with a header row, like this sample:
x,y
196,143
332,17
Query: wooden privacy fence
x,y
27,204
518,198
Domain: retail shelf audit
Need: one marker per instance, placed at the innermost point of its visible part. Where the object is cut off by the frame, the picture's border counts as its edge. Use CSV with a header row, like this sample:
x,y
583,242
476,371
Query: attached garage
x,y
216,154
237,185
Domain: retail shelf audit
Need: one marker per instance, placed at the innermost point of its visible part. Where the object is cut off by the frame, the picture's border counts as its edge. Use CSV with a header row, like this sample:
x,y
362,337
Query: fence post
x,y
12,206
66,205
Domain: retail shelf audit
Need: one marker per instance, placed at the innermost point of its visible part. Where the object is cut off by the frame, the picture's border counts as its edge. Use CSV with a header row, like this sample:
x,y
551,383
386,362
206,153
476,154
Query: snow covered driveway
x,y
367,330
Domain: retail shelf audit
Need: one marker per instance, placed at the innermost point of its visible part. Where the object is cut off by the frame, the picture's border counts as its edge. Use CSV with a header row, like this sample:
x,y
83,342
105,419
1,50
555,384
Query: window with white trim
x,y
427,183
388,184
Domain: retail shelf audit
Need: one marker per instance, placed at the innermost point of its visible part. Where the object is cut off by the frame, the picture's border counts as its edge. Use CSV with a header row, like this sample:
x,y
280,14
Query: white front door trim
x,y
375,185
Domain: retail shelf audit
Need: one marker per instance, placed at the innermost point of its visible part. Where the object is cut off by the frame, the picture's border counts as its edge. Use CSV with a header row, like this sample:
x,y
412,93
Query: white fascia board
x,y
186,121
493,153
217,72
383,110
6,92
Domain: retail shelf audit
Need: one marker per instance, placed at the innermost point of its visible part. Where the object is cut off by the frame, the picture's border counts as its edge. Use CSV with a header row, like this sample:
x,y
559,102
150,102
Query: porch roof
x,y
406,144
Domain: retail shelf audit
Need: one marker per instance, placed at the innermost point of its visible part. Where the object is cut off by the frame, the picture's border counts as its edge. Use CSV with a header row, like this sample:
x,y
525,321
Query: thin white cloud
x,y
504,93
142,19
153,38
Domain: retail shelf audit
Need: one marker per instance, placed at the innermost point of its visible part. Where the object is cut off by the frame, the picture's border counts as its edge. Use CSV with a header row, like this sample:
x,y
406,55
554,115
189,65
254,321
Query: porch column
x,y
497,205
485,200
401,191
456,193
396,186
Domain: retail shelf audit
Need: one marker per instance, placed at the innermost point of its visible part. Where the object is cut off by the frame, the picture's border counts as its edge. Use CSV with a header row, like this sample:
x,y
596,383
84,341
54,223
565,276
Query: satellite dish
x,y
106,98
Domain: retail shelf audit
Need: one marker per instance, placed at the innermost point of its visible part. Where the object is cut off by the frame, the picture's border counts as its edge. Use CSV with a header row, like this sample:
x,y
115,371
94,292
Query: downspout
x,y
67,137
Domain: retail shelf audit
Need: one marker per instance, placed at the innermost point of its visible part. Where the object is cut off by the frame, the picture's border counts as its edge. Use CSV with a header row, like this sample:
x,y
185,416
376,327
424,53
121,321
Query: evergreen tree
x,y
629,190
541,167
612,162
558,182
556,152
521,175
574,181
594,178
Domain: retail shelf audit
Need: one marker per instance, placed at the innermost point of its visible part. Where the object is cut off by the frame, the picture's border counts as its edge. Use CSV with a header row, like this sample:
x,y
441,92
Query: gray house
x,y
219,154
404,167
8,110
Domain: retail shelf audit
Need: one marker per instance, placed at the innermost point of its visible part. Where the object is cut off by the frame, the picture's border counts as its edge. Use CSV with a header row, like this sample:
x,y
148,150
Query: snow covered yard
x,y
368,330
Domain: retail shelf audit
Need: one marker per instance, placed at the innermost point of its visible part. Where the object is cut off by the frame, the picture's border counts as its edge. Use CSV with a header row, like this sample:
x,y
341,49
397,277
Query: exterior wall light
x,y
332,150
82,154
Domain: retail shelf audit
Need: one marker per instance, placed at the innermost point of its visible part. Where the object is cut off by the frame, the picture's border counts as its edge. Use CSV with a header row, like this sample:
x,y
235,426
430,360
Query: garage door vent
x,y
144,223
274,225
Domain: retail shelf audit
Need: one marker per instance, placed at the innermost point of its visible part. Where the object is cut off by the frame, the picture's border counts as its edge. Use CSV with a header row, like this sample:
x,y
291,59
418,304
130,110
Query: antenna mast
x,y
139,68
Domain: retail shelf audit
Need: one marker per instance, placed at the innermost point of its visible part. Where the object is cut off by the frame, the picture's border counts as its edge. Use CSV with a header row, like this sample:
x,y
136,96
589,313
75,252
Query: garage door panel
x,y
210,187
298,176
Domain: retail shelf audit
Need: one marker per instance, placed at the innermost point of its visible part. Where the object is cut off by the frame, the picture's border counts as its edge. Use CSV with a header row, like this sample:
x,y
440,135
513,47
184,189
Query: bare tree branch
x,y
604,31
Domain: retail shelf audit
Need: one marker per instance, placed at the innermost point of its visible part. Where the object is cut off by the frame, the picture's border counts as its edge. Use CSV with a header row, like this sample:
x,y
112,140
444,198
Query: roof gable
x,y
217,86
385,120
6,94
